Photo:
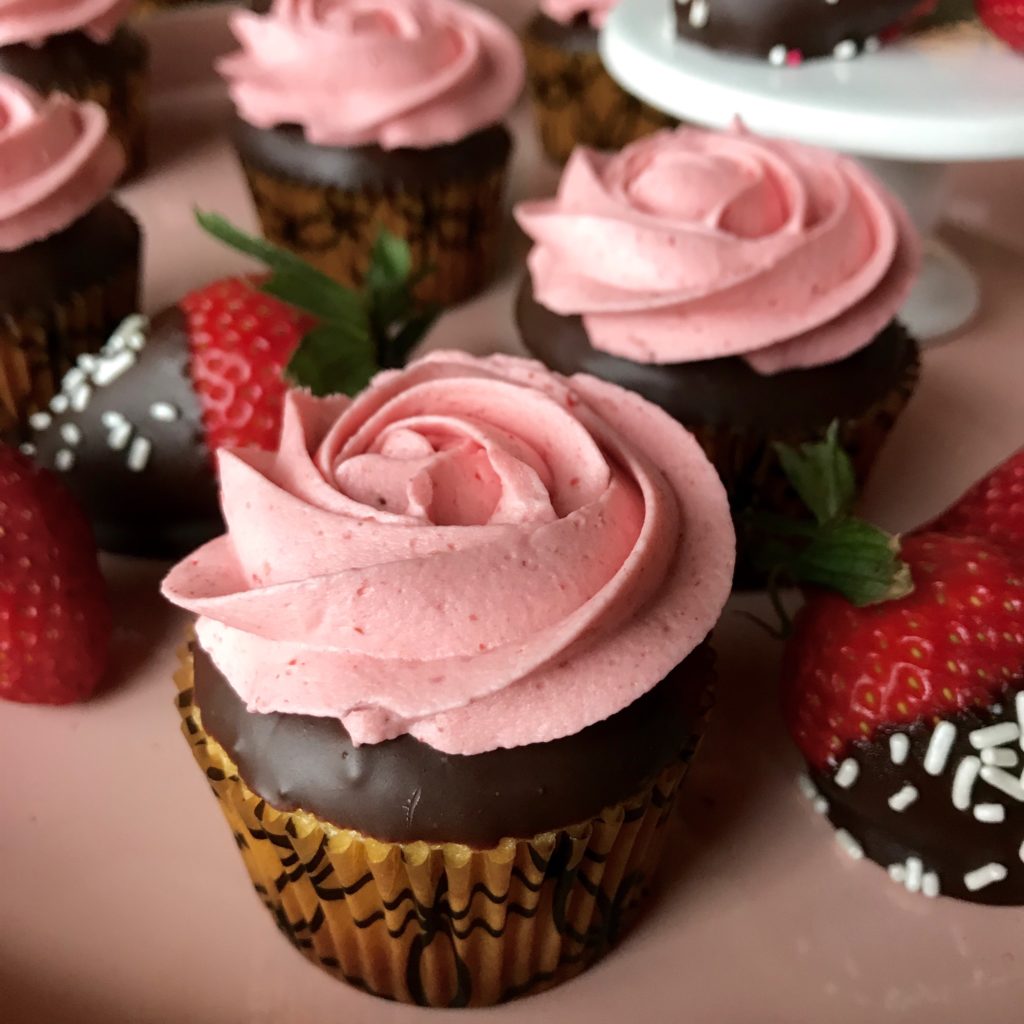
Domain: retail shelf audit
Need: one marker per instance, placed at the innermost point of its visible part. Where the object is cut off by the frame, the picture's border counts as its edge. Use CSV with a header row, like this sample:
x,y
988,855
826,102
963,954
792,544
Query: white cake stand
x,y
909,110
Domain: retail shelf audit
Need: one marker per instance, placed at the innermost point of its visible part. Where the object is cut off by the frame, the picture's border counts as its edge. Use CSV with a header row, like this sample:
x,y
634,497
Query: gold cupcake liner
x,y
38,347
126,103
577,103
442,925
454,228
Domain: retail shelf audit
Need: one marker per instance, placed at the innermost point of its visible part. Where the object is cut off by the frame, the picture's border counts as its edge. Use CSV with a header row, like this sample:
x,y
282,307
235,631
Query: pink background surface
x,y
123,898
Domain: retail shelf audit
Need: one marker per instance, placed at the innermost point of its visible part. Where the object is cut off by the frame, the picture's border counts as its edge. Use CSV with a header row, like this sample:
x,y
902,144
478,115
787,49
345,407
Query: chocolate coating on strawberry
x,y
125,434
938,803
788,31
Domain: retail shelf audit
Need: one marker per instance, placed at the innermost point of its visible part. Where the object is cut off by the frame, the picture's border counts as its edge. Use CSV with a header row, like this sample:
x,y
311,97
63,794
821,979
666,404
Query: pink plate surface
x,y
123,898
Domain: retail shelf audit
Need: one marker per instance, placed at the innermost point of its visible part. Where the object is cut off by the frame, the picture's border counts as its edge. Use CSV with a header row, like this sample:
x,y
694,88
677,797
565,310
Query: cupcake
x,y
355,115
748,286
910,712
69,255
575,101
787,32
81,48
449,668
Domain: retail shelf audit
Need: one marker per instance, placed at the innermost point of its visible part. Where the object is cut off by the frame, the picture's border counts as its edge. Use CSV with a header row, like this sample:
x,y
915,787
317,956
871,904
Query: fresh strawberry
x,y
241,341
55,619
953,643
993,508
1004,18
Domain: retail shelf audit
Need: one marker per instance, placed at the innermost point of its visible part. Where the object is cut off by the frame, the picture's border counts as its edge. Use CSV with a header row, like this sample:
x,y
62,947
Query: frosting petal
x,y
565,11
544,576
395,73
57,161
34,21
692,245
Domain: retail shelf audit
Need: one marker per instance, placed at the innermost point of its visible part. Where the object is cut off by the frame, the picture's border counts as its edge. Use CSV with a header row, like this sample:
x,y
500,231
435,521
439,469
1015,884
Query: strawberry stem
x,y
835,549
359,331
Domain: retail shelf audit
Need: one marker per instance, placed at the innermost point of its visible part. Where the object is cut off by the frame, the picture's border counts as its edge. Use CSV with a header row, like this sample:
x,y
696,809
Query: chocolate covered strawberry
x,y
134,427
55,618
909,706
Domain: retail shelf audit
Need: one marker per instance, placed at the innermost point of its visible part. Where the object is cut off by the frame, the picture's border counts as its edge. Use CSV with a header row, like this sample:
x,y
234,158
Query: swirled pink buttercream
x,y
691,245
398,73
476,552
564,11
56,162
34,21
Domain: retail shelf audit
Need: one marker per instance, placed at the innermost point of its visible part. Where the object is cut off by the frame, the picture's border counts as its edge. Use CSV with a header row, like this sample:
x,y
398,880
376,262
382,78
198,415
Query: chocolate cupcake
x,y
450,667
385,115
786,32
82,49
575,101
747,286
69,255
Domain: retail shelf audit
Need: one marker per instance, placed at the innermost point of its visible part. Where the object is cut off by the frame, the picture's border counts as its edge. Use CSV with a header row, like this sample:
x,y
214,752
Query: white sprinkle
x,y
806,787
136,341
119,436
1003,781
1019,702
995,735
845,50
903,799
59,404
899,747
131,334
980,877
138,454
41,420
939,747
898,873
832,2
699,13
72,379
963,782
27,449
1000,757
777,55
64,460
915,874
88,362
872,44
996,709
111,419
849,845
930,884
110,369
820,805
80,397
164,412
847,774
990,813
1020,852
72,434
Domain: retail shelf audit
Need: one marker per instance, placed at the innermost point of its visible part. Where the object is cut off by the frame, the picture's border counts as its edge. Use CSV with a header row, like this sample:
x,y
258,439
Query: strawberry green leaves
x,y
360,331
834,549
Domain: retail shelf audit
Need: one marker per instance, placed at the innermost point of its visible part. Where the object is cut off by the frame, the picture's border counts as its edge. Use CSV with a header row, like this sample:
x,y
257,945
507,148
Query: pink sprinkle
x,y
794,58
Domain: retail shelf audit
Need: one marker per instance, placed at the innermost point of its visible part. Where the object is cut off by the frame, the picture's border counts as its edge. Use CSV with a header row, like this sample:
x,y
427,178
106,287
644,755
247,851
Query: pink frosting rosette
x,y
476,552
565,11
34,21
416,73
692,245
56,162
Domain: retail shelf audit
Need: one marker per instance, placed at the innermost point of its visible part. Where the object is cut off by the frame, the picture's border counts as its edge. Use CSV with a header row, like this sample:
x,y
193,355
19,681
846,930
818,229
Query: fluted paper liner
x,y
38,347
441,925
453,228
126,103
577,103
